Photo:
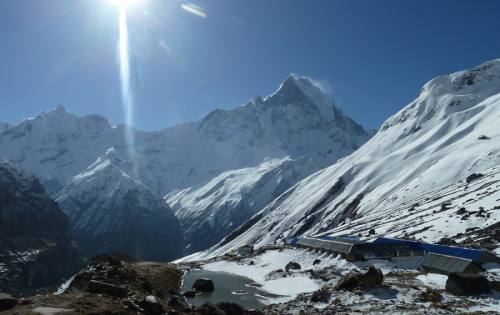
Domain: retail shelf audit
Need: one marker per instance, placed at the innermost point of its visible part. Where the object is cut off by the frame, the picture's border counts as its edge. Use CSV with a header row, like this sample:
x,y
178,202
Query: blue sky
x,y
375,55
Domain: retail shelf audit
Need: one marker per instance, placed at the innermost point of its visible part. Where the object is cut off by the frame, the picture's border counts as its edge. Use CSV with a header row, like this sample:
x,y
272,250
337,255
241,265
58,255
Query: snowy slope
x,y
409,179
111,211
214,209
297,120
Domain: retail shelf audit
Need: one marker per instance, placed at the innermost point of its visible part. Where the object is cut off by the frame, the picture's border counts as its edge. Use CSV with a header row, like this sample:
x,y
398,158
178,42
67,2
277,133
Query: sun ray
x,y
125,80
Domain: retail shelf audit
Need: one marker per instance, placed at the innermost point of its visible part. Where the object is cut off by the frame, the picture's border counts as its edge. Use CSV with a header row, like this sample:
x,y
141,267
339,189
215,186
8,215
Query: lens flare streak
x,y
126,91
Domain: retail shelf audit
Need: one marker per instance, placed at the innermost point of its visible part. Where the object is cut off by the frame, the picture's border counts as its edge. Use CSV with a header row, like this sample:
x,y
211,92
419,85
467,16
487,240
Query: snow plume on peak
x,y
305,82
298,88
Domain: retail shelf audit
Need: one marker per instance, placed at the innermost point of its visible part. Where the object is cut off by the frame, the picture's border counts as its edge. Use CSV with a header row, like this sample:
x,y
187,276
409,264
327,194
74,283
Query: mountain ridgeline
x,y
215,173
430,173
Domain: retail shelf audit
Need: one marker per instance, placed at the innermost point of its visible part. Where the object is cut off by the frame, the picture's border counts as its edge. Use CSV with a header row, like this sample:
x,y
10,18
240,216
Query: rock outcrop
x,y
111,285
36,248
373,277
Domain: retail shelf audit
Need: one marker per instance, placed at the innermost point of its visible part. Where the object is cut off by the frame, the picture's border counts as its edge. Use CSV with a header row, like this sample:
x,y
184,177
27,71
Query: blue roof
x,y
467,253
292,240
332,238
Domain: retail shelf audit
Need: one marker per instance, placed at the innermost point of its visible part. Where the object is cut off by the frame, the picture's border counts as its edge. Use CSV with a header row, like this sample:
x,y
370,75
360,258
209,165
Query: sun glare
x,y
125,3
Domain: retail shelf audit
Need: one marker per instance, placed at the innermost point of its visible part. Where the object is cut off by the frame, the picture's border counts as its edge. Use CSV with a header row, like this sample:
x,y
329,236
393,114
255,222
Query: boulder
x,y
204,285
189,294
99,287
372,278
275,273
321,295
465,285
472,177
316,262
292,266
348,282
6,302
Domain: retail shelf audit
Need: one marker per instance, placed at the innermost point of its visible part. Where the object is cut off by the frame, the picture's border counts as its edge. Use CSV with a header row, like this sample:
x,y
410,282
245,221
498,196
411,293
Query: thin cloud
x,y
194,9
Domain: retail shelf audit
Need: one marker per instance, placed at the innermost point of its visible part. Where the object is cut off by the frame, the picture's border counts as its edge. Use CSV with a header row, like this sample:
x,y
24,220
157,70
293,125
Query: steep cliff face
x,y
112,211
36,248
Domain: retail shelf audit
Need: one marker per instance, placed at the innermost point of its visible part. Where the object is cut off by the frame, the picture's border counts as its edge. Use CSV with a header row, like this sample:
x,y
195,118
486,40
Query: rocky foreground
x,y
117,285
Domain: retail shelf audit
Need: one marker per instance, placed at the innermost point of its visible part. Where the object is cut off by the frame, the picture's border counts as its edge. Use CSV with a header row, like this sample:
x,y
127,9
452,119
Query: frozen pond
x,y
228,288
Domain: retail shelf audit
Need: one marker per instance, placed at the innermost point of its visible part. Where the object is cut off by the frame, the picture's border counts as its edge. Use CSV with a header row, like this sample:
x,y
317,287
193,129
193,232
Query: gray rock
x,y
473,177
204,285
462,285
292,266
372,278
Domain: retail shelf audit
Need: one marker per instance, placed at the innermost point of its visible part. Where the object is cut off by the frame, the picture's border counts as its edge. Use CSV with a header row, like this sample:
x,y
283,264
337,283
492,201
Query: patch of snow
x,y
45,310
151,298
63,287
433,280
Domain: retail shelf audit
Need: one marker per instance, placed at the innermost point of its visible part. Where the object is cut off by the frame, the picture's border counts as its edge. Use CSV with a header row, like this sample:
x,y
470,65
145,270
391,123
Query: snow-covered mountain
x,y
212,210
431,172
298,120
35,242
111,211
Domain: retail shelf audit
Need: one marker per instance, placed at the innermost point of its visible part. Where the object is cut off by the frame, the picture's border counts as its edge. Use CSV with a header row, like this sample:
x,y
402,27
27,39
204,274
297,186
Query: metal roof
x,y
449,264
477,255
360,248
385,240
336,245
